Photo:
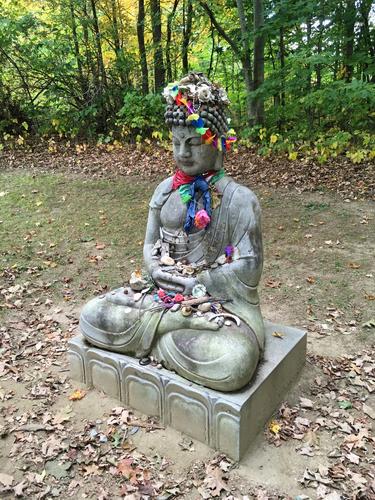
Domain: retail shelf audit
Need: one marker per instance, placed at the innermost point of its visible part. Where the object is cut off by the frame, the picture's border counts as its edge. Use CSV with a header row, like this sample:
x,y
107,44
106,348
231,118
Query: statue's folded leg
x,y
224,360
107,323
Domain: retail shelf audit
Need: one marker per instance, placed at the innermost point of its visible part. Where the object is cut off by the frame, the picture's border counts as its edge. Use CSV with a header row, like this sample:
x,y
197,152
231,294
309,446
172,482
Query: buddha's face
x,y
191,155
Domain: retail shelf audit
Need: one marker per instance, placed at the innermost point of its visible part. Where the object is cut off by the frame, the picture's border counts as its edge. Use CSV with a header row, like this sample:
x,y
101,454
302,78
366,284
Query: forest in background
x,y
300,73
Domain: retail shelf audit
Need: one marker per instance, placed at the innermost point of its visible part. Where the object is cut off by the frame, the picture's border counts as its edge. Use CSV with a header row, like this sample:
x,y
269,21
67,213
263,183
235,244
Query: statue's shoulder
x,y
241,195
161,193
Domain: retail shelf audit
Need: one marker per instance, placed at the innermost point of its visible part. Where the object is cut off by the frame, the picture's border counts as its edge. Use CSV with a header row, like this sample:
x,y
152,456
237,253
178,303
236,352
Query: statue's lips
x,y
187,163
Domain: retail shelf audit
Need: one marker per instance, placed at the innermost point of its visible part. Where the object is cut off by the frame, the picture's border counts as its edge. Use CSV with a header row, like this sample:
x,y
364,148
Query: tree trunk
x,y
349,23
258,103
81,78
212,53
243,55
246,59
159,70
369,43
169,40
186,35
318,67
98,43
309,110
282,65
120,61
141,45
90,66
280,120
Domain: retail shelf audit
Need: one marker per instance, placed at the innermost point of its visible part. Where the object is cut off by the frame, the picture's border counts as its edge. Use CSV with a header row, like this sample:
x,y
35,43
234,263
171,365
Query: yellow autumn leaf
x,y
77,395
274,427
293,155
157,135
273,138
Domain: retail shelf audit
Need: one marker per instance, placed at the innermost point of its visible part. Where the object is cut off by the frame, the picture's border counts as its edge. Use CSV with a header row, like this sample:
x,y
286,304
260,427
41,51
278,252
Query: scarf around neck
x,y
188,186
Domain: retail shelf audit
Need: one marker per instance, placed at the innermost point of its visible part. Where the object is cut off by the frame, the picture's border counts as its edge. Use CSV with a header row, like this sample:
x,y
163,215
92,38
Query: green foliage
x,y
141,115
66,73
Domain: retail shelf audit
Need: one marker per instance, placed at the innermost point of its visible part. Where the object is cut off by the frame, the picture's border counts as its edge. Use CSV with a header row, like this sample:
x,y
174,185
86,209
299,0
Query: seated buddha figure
x,y
197,310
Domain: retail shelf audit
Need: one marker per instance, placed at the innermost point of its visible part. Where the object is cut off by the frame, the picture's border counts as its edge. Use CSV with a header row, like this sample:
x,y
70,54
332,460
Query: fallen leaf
x,y
278,335
354,265
214,480
270,283
62,416
125,467
77,395
353,458
310,279
345,405
57,469
6,479
369,324
18,489
306,403
369,411
91,469
274,427
333,496
186,444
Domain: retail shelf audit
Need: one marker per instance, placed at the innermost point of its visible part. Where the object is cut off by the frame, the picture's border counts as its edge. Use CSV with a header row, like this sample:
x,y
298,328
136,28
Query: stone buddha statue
x,y
196,310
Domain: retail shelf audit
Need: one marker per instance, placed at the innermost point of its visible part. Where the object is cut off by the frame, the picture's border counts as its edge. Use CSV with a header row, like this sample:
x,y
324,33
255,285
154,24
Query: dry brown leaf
x,y
91,469
215,481
125,468
368,410
6,479
306,403
354,265
270,283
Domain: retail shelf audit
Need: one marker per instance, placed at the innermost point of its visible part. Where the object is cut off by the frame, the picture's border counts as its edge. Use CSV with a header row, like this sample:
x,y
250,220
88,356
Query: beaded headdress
x,y
197,102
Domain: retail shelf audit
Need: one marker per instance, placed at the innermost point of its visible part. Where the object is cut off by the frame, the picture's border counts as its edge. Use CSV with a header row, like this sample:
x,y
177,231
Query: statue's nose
x,y
184,151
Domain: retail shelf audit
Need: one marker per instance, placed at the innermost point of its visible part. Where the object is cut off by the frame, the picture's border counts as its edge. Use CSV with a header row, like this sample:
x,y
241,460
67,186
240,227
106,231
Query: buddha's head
x,y
196,113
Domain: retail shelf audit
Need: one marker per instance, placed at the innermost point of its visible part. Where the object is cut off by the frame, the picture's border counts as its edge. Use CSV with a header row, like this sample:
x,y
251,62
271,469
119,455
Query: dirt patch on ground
x,y
65,239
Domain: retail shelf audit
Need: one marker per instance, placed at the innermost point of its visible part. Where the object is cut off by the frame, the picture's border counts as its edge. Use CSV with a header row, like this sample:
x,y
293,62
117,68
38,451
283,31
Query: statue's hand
x,y
170,282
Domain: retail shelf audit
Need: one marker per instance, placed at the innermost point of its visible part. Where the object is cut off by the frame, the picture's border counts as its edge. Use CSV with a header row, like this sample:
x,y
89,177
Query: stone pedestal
x,y
225,421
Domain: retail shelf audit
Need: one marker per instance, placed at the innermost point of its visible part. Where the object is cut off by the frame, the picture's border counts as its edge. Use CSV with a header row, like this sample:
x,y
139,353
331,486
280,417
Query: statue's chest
x,y
173,212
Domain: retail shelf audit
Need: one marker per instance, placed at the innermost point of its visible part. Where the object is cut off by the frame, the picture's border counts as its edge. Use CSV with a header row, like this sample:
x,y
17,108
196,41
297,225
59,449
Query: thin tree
x,y
159,69
258,102
187,26
141,45
98,42
170,18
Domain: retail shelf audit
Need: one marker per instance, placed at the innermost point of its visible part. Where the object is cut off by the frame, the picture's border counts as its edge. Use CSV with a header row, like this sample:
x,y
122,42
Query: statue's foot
x,y
177,321
224,360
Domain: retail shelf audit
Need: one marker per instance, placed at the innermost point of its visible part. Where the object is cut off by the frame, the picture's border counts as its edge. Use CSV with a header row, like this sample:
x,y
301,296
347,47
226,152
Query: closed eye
x,y
195,141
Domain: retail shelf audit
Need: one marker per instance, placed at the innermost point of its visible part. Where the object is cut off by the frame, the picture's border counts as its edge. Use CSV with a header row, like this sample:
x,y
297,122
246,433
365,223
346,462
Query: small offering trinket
x,y
199,291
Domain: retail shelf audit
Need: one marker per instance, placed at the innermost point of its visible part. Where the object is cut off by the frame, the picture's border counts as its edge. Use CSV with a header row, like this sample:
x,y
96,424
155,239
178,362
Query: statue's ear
x,y
219,161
